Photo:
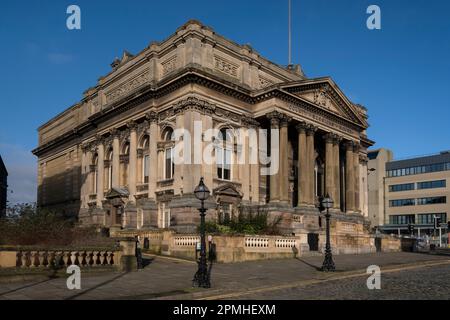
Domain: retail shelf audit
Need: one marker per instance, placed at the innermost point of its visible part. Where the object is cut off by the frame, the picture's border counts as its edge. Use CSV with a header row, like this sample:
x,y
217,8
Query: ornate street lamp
x,y
201,278
328,264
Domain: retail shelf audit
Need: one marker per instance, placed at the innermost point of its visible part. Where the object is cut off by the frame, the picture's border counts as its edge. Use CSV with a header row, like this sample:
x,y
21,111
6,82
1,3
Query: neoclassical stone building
x,y
109,159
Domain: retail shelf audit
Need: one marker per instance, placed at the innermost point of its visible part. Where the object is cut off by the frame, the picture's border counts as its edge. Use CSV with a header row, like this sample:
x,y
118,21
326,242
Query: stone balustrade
x,y
49,258
186,241
256,242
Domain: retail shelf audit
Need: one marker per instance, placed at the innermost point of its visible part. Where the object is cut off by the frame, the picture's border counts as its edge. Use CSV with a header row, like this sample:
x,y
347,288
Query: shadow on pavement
x,y
309,264
97,286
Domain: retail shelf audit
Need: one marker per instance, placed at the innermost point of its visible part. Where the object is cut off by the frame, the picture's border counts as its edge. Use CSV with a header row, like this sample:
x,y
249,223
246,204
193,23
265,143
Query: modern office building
x,y
3,187
414,191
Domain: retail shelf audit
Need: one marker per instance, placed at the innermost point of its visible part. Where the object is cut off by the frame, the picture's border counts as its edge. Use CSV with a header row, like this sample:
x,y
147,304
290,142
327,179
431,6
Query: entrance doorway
x,y
313,241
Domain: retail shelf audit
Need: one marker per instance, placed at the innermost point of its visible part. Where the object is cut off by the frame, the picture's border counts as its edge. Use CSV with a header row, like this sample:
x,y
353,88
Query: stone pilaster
x,y
302,165
284,159
275,178
115,158
84,177
329,166
337,176
356,176
311,158
133,161
100,171
349,178
153,145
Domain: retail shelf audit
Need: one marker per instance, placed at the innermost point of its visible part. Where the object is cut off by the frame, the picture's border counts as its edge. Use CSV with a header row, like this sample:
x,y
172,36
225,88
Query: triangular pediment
x,y
228,189
325,94
117,192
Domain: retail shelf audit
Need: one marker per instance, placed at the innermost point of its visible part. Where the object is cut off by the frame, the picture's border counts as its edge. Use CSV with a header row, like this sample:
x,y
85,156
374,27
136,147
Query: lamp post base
x,y
328,264
201,279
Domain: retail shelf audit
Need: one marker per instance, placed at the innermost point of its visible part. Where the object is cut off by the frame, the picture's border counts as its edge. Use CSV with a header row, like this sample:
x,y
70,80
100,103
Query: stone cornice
x,y
189,76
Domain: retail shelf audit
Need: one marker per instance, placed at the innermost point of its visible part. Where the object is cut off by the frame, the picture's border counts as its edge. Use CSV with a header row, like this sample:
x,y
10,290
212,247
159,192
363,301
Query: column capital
x,y
132,125
329,137
302,127
337,139
151,116
363,159
349,145
85,147
278,118
115,133
311,129
99,139
356,147
249,121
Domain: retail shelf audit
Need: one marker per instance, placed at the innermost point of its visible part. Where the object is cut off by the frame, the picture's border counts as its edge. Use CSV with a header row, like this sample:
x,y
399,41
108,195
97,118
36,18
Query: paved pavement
x,y
166,278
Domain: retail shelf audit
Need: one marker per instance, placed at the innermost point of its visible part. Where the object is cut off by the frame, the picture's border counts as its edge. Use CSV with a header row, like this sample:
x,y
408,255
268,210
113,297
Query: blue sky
x,y
401,73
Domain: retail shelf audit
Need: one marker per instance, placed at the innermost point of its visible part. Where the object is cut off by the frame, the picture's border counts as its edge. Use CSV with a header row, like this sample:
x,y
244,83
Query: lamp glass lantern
x,y
201,191
327,202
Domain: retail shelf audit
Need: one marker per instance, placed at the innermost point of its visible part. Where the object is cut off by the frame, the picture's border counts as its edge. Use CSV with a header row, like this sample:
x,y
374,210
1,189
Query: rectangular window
x,y
402,202
169,166
401,187
431,184
431,200
427,218
402,219
223,158
146,168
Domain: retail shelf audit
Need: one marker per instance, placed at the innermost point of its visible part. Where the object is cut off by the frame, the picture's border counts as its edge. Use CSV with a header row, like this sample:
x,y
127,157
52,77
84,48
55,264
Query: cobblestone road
x,y
422,283
166,278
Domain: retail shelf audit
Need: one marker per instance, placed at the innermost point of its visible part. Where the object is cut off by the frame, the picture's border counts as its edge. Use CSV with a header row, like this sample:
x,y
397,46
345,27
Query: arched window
x,y
169,165
224,152
145,159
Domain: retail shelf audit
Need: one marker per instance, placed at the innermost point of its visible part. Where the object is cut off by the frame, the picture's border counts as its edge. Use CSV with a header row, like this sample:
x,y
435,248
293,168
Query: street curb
x,y
229,293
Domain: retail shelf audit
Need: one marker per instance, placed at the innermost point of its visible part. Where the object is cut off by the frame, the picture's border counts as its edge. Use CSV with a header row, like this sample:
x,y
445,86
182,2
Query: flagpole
x,y
290,34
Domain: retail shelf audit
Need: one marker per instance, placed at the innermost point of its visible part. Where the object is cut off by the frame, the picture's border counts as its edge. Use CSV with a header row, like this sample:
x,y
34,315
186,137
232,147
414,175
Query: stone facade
x,y
108,159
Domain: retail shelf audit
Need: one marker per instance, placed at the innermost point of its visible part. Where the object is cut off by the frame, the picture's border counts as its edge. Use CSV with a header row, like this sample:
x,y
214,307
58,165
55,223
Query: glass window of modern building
x,y
402,202
401,187
431,184
402,219
431,200
427,218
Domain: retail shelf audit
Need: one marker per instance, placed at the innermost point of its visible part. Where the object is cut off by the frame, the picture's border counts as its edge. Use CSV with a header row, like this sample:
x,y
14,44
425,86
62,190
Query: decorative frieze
x,y
193,103
169,65
226,66
319,118
264,82
129,86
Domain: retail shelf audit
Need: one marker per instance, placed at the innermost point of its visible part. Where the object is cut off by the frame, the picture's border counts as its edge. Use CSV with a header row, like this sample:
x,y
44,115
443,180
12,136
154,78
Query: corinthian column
x,y
329,165
133,161
115,158
153,145
356,169
311,158
337,176
284,159
275,178
302,166
349,178
84,177
100,171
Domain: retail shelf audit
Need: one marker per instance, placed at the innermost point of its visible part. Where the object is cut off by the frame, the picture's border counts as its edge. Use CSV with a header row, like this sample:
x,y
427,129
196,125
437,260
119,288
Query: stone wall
x,y
231,249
